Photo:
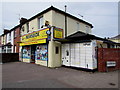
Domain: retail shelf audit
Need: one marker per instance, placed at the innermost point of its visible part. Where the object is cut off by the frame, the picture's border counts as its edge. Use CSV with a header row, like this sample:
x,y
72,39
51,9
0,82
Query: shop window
x,y
57,50
26,52
41,52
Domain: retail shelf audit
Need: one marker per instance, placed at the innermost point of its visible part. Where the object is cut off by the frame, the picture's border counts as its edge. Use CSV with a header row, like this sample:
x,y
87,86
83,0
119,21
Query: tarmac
x,y
27,75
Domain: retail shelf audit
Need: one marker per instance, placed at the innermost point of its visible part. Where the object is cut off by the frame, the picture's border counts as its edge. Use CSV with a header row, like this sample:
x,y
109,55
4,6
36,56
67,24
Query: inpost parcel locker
x,y
81,55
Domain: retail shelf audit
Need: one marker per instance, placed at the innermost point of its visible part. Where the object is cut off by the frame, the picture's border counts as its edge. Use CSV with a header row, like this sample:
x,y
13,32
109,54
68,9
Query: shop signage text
x,y
34,38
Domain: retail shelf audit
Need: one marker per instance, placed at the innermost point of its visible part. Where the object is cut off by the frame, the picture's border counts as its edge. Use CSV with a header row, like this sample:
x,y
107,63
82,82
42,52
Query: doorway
x,y
33,48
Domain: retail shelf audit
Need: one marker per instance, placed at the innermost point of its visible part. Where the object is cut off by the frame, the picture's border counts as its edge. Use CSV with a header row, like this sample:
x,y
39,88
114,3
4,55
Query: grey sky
x,y
103,15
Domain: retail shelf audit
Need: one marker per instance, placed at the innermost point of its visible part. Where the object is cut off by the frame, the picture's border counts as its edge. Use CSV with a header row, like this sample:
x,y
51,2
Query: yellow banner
x,y
58,33
33,42
34,38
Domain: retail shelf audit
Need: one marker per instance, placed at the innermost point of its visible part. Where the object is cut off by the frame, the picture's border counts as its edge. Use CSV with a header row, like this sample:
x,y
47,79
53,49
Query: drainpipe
x,y
65,22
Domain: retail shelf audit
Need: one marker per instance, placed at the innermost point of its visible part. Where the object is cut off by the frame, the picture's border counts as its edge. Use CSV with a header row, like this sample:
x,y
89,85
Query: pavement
x,y
27,75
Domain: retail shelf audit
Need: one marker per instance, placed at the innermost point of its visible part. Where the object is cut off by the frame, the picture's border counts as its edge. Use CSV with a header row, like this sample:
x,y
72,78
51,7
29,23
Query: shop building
x,y
54,38
39,32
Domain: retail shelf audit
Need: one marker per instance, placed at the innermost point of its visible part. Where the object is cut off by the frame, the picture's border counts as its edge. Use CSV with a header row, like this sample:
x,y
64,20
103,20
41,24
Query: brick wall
x,y
17,39
108,54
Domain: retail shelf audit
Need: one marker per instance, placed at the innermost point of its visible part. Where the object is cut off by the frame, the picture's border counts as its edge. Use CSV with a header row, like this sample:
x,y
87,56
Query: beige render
x,y
55,19
54,59
115,40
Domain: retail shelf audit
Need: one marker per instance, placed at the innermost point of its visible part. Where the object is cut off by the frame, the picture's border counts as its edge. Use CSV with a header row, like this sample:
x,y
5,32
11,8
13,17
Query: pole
x,y
65,22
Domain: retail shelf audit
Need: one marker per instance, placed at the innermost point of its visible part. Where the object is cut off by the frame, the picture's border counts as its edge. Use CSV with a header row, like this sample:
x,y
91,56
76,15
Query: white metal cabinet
x,y
81,55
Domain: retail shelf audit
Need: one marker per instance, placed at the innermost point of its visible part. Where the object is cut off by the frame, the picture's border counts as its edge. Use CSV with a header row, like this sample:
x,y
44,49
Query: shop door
x,y
33,48
66,54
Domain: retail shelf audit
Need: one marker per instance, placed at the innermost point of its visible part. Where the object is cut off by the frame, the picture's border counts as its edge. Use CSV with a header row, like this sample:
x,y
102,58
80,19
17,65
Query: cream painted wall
x,y
48,17
25,29
54,60
59,21
116,40
33,25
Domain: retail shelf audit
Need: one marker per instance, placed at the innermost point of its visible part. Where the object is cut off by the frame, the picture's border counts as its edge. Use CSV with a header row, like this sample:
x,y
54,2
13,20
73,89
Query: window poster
x,y
41,52
26,52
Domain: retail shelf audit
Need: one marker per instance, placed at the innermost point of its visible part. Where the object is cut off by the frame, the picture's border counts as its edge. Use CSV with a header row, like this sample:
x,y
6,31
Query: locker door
x,y
72,54
77,55
82,55
89,55
66,56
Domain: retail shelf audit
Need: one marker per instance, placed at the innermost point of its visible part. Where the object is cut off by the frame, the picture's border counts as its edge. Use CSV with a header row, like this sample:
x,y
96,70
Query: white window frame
x,y
40,22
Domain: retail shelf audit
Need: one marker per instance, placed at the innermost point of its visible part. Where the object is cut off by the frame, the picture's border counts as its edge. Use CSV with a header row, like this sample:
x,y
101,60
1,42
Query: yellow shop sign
x,y
58,33
34,38
33,42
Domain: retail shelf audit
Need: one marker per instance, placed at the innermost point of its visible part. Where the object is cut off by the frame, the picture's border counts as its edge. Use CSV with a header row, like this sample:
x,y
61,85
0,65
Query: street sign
x,y
111,63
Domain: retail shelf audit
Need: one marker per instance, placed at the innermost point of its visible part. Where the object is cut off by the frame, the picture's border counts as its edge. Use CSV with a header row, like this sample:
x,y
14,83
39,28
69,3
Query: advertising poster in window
x,y
26,52
41,52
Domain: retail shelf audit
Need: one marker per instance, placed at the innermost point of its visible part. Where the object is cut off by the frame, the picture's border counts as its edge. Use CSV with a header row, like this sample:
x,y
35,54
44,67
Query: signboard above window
x,y
57,33
34,37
